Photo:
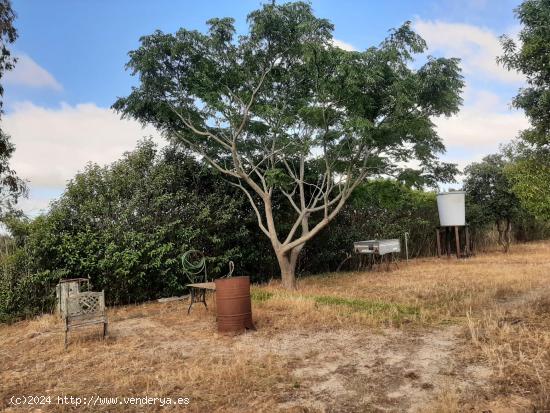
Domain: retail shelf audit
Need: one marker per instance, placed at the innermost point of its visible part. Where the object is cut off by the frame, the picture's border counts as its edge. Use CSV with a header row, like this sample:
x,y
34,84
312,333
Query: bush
x,y
24,292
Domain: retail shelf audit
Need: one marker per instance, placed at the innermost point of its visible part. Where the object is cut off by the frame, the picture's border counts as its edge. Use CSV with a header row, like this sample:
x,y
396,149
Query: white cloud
x,y
53,144
476,46
483,123
35,205
486,119
343,45
29,73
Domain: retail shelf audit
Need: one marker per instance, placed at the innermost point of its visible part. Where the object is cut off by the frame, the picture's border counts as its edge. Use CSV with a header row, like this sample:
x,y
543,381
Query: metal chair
x,y
194,267
84,309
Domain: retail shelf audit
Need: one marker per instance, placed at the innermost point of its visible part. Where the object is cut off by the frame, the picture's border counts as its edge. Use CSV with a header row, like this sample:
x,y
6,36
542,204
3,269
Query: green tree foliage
x,y
11,187
281,111
531,59
378,209
530,173
125,226
490,194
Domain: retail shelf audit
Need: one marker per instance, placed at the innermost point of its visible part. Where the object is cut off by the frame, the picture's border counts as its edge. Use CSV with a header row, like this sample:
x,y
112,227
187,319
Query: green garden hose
x,y
193,269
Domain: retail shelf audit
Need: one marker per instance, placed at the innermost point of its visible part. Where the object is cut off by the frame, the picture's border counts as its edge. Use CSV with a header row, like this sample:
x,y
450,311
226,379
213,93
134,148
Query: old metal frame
x,y
198,290
198,293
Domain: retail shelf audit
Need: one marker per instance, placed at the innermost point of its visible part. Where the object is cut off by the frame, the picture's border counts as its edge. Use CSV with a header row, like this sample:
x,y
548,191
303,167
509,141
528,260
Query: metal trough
x,y
378,247
376,252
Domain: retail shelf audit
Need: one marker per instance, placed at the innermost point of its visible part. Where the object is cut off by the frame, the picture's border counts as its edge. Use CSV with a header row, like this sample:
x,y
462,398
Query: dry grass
x,y
434,335
516,341
447,401
153,351
424,292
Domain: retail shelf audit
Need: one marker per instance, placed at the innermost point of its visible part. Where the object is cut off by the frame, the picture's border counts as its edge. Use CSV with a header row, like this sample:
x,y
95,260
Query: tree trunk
x,y
500,240
287,264
507,237
288,272
504,238
288,276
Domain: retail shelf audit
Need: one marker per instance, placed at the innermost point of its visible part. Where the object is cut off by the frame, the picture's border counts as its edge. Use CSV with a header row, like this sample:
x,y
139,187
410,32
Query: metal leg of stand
x,y
204,298
192,300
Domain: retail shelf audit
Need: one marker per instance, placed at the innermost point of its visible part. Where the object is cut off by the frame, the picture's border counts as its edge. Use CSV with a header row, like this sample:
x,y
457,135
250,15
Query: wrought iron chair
x,y
84,309
193,263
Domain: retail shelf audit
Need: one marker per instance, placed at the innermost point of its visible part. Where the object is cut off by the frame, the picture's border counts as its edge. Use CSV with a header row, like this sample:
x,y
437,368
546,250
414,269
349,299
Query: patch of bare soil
x,y
352,371
337,370
344,370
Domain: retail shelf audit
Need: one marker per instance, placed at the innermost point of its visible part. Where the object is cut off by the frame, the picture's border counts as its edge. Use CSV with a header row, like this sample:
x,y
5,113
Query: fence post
x,y
407,245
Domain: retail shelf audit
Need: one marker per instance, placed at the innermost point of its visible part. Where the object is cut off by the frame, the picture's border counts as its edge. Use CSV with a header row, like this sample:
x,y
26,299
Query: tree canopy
x,y
530,172
11,187
282,110
488,186
531,59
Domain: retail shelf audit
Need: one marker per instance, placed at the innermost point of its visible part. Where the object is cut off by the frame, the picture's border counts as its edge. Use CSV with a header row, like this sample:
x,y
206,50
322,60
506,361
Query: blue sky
x,y
72,57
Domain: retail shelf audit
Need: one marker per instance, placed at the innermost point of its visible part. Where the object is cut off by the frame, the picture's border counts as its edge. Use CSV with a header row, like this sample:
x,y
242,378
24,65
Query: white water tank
x,y
452,208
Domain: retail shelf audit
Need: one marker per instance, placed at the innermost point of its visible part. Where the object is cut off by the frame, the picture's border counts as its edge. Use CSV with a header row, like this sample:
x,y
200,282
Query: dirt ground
x,y
443,343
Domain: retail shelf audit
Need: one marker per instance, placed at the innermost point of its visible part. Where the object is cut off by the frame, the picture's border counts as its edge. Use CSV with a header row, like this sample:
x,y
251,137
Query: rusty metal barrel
x,y
234,308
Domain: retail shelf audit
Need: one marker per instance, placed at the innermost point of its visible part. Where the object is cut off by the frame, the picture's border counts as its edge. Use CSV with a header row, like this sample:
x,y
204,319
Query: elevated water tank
x,y
452,209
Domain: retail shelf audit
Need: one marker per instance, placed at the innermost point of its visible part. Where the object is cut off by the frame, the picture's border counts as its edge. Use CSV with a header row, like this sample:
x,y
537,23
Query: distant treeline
x,y
125,227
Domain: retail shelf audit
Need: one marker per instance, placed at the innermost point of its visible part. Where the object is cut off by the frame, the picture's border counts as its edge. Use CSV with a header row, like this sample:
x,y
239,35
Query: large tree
x,y
530,173
11,187
281,111
488,187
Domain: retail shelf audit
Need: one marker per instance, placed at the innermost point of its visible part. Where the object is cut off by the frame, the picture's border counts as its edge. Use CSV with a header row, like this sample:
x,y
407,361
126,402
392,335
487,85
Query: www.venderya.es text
x,y
97,400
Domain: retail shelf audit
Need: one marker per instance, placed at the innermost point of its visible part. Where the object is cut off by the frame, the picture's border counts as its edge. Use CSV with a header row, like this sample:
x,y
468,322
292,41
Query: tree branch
x,y
256,210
